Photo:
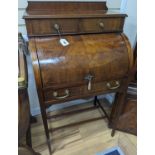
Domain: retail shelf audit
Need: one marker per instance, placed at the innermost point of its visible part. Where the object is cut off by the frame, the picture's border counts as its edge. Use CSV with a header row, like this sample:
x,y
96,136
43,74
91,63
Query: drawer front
x,y
47,26
73,26
65,94
97,25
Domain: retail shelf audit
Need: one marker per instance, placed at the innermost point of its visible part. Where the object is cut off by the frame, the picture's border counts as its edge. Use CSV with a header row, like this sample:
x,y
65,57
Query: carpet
x,y
112,151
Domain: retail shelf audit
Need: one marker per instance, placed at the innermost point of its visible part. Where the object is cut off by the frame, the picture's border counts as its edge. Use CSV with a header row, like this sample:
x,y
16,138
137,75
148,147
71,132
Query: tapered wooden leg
x,y
44,117
117,110
95,100
33,119
28,136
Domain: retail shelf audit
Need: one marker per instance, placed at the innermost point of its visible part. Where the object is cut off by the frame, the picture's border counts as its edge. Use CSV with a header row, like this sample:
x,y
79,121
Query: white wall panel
x,y
22,29
114,4
20,17
22,3
130,27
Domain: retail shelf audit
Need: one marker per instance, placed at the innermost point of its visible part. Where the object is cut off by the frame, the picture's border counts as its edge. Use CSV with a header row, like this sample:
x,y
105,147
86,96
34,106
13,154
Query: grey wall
x,y
130,28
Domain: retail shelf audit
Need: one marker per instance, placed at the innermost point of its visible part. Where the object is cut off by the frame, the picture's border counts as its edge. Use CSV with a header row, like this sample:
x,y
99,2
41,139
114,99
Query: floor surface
x,y
83,133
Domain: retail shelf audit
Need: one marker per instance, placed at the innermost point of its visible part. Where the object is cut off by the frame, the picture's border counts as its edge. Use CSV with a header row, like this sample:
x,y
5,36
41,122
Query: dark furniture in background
x,y
97,60
24,129
127,118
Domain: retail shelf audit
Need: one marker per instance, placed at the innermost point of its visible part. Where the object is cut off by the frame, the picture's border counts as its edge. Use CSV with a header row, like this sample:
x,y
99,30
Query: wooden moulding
x,y
68,10
65,6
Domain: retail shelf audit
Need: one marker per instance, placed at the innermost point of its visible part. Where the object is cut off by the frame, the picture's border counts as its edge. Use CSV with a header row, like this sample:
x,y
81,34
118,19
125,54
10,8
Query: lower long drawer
x,y
70,93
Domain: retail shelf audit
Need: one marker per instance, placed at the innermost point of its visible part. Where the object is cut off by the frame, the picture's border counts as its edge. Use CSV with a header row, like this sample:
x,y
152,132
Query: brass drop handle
x,y
117,85
101,25
57,27
55,94
89,79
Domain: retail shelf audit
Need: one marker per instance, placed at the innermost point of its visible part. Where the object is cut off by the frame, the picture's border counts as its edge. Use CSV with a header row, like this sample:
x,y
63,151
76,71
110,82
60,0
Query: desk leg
x,y
113,133
95,101
28,137
44,117
117,110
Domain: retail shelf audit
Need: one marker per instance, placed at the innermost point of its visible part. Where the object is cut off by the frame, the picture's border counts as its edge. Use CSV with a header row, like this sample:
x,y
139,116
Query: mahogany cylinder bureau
x,y
78,50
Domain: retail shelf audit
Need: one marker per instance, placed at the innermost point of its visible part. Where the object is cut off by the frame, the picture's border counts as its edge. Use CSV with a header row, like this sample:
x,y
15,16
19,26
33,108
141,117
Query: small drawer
x,y
47,26
41,27
98,25
66,94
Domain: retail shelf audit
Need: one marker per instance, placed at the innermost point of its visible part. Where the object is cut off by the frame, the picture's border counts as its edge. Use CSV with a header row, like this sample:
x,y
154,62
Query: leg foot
x,y
44,117
112,133
49,146
28,137
33,119
95,100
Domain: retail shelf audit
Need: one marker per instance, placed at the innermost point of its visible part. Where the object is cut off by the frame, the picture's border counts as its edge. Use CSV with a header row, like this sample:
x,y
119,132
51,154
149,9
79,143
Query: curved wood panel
x,y
105,56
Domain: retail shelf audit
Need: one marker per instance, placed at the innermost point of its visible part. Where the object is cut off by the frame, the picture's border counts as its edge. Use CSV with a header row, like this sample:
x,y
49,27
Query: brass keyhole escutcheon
x,y
89,78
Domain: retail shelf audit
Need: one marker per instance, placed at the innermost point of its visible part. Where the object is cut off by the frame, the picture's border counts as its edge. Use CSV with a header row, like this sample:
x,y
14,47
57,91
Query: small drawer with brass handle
x,y
53,27
57,96
97,25
113,85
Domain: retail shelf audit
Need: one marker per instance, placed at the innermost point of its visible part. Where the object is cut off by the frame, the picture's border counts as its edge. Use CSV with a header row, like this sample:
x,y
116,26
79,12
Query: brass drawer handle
x,y
101,25
55,94
57,27
117,85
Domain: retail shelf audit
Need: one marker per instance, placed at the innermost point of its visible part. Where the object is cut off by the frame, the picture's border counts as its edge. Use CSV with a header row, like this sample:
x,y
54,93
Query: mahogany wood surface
x,y
40,27
86,54
77,92
42,10
61,68
64,5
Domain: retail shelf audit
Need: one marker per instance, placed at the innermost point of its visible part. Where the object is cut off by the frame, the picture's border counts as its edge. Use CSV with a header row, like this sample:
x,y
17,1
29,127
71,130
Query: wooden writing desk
x,y
96,60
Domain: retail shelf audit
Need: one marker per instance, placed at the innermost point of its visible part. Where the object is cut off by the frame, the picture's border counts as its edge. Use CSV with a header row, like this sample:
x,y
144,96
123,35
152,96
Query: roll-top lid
x,y
104,56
